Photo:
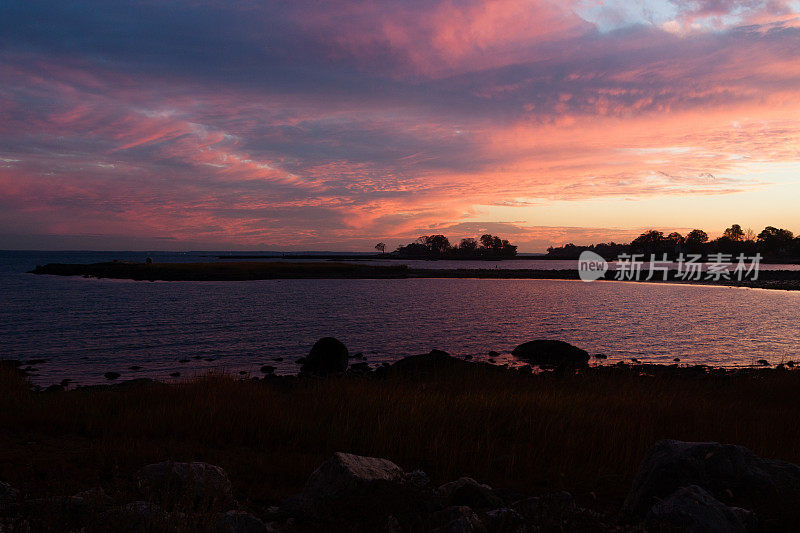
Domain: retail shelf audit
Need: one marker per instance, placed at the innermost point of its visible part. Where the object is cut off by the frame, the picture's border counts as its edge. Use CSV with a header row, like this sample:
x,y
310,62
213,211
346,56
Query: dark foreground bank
x,y
410,434
252,270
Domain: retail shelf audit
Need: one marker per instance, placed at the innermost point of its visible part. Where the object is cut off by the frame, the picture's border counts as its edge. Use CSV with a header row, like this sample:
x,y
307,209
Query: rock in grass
x,y
199,485
693,510
327,356
732,474
8,498
361,368
467,491
433,362
360,490
553,508
504,519
96,498
557,511
457,519
73,512
133,516
551,353
240,522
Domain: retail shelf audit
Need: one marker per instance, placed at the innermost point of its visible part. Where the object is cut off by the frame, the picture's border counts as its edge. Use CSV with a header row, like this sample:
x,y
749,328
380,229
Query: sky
x,y
310,125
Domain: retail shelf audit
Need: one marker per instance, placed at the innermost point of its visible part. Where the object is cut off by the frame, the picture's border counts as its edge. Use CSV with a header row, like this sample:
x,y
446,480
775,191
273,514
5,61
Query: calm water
x,y
84,328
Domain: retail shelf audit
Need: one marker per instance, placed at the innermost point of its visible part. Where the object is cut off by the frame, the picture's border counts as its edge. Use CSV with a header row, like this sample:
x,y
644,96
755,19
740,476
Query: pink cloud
x,y
422,118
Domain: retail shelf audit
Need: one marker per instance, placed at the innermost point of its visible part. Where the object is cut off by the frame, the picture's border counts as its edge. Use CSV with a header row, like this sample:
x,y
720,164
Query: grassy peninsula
x,y
256,270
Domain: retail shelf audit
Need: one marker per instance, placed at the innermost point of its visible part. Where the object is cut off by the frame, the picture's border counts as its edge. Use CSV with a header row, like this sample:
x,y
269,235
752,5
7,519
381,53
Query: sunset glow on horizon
x,y
246,125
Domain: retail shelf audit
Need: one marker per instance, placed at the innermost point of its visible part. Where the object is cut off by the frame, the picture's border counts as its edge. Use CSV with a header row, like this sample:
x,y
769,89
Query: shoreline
x,y
255,270
123,376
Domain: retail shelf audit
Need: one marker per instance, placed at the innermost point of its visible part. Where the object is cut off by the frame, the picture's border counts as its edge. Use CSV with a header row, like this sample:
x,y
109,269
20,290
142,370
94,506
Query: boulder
x,y
364,490
8,498
198,485
73,512
693,510
432,362
327,356
360,368
544,352
552,508
83,505
504,520
131,517
12,366
457,519
466,491
557,511
732,474
240,522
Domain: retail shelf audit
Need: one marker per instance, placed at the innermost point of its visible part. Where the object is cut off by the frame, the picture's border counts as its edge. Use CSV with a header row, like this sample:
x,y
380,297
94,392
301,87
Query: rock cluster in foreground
x,y
680,486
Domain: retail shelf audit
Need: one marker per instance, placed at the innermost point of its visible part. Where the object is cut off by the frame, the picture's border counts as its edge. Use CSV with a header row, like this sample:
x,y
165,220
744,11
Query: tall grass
x,y
528,433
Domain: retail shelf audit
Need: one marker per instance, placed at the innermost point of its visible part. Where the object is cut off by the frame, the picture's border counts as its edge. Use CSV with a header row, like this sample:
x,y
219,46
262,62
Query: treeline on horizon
x,y
439,246
772,243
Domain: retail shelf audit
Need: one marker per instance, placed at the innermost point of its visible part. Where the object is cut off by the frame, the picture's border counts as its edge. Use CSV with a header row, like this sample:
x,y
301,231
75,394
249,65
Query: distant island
x,y
439,247
776,245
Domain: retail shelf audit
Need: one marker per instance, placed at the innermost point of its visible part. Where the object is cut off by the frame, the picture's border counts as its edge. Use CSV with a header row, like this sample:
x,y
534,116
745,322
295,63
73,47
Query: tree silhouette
x,y
468,246
381,247
675,238
697,236
436,246
734,233
695,240
775,240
